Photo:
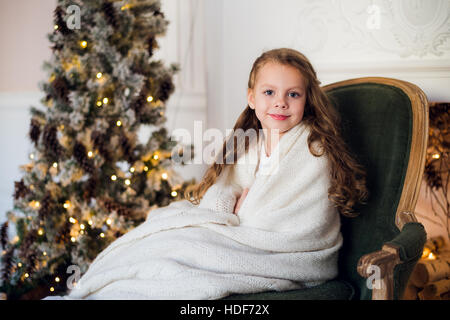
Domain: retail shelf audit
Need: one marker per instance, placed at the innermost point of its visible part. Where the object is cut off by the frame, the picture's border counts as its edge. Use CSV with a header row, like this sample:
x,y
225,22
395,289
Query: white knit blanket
x,y
286,236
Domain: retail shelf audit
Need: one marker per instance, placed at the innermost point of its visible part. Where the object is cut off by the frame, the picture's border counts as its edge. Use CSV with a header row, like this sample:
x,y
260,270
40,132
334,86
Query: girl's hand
x,y
240,201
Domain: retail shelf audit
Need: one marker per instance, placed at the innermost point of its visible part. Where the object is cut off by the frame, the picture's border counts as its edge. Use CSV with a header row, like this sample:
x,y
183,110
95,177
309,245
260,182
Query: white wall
x,y
408,40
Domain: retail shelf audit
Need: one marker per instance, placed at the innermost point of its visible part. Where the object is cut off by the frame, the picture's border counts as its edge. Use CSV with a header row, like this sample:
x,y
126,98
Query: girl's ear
x,y
250,99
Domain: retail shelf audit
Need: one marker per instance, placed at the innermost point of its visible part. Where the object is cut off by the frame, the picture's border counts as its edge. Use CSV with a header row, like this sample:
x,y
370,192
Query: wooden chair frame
x,y
388,257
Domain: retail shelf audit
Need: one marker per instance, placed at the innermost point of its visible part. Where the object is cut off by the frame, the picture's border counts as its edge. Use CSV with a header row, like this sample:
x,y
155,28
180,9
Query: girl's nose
x,y
281,103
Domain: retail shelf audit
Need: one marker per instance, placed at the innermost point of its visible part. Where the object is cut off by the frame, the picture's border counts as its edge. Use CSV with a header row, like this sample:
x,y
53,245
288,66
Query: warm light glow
x,y
102,235
82,226
431,256
44,253
19,264
113,177
156,157
55,27
57,279
90,222
73,239
173,193
72,220
31,156
40,231
99,75
108,221
149,98
99,103
26,275
132,169
105,100
34,204
52,289
66,204
83,44
55,165
426,252
119,123
164,176
90,154
127,182
145,168
436,156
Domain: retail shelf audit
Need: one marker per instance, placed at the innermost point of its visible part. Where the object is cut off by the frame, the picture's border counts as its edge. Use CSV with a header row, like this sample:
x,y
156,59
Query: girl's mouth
x,y
278,116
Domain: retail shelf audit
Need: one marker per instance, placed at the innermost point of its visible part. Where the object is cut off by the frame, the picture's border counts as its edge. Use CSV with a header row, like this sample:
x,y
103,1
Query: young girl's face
x,y
278,97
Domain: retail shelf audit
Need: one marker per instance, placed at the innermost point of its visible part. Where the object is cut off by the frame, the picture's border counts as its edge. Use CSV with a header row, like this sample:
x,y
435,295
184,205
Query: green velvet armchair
x,y
385,123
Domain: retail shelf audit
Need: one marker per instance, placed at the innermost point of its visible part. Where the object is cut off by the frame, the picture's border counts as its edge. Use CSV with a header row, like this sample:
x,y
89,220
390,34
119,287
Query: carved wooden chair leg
x,y
379,266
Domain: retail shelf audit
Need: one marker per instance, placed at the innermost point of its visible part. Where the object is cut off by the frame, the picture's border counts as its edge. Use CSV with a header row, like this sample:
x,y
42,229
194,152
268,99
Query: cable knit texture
x,y
286,235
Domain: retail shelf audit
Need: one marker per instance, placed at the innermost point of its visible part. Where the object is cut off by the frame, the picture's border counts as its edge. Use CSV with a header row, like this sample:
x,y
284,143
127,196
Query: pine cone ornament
x,y
58,14
110,205
127,148
20,189
63,235
61,88
8,263
79,153
30,261
51,144
35,131
166,89
158,13
99,140
138,105
4,235
110,14
46,206
91,187
151,43
27,242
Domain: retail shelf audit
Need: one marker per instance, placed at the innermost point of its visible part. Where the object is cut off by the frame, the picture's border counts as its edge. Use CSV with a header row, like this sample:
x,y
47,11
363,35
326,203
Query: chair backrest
x,y
385,123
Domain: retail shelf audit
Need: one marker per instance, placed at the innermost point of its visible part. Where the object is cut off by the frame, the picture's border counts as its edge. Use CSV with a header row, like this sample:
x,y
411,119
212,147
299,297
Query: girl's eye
x,y
291,94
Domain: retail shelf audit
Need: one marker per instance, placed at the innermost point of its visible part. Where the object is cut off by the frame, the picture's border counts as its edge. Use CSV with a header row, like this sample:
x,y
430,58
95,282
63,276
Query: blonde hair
x,y
348,177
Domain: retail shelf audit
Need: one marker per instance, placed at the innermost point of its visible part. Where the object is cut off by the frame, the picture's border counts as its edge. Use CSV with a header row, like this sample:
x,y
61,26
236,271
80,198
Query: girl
x,y
251,226
283,82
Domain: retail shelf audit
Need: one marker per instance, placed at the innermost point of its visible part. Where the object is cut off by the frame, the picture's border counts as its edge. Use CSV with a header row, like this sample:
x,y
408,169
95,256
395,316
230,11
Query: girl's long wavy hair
x,y
348,177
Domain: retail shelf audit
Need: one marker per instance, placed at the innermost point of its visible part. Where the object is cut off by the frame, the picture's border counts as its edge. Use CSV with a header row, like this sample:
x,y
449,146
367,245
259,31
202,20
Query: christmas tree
x,y
89,179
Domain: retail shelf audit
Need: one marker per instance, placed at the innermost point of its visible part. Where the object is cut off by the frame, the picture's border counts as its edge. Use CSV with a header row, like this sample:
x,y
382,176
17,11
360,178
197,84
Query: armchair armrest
x,y
406,247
